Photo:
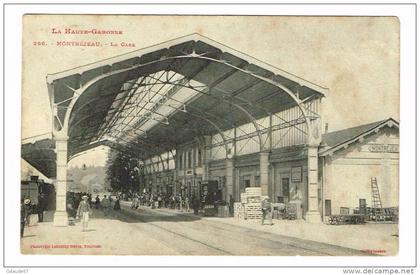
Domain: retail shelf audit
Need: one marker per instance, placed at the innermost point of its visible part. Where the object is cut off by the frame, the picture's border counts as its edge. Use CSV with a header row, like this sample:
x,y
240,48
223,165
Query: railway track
x,y
215,237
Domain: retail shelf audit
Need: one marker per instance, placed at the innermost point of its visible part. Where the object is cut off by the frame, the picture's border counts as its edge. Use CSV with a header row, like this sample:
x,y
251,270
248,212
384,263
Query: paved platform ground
x,y
376,238
167,232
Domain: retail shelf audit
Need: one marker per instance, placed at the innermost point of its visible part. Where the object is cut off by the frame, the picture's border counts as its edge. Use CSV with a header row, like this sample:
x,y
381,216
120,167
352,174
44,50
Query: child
x,y
71,212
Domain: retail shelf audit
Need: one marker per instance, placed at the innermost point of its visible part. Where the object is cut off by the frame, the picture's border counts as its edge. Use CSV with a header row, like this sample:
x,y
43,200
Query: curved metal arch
x,y
138,139
108,143
242,109
143,143
298,102
82,89
138,149
89,83
86,117
83,106
202,116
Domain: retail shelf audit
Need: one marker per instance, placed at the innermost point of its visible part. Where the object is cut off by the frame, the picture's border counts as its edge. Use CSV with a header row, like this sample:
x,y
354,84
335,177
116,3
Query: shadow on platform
x,y
144,216
132,216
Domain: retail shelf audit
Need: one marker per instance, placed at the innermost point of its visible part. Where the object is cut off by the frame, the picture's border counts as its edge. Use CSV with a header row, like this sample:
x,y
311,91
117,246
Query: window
x,y
327,207
285,187
180,161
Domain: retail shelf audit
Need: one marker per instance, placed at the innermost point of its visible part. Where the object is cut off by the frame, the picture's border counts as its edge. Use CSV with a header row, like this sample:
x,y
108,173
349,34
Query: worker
x,y
231,205
267,211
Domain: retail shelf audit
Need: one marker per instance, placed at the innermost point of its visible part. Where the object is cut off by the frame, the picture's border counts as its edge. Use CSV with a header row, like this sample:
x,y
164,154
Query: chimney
x,y
326,128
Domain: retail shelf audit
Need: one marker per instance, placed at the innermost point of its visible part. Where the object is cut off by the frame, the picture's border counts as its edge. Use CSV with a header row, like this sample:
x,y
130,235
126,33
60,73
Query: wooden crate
x,y
253,191
253,199
243,198
254,216
237,206
253,207
239,210
253,211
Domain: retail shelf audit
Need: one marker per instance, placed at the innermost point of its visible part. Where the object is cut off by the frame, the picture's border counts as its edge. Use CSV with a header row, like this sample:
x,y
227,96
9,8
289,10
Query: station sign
x,y
384,148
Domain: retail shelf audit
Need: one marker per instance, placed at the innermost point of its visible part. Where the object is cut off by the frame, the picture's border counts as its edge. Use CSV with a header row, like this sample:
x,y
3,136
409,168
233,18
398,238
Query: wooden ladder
x,y
377,210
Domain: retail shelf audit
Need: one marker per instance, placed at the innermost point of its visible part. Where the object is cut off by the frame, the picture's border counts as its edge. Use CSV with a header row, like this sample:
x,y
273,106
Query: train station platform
x,y
107,235
376,238
147,231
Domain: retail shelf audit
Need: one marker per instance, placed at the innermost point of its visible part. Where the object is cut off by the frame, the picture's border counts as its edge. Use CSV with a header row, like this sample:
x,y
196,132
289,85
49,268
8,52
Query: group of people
x,y
107,204
83,203
179,202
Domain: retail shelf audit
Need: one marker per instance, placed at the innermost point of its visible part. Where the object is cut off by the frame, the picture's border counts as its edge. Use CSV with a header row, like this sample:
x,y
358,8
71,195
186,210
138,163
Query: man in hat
x,y
267,211
41,207
23,215
83,212
28,210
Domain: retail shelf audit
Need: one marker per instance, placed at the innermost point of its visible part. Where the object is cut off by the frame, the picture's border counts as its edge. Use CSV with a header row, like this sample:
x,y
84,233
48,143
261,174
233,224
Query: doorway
x,y
247,183
285,188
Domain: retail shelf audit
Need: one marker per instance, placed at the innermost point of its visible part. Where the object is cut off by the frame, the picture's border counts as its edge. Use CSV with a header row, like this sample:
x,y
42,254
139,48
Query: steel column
x,y
60,215
230,170
313,214
264,169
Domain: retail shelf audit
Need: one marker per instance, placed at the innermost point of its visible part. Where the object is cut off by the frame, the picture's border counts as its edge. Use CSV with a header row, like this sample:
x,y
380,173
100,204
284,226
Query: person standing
x,y
97,201
83,212
28,210
187,203
105,203
41,207
231,204
159,200
117,206
195,204
267,211
152,201
134,203
181,204
90,199
22,217
71,212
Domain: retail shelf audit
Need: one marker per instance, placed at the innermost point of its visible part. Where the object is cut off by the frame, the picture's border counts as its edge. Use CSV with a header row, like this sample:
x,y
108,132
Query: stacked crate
x,y
253,191
253,211
251,204
244,198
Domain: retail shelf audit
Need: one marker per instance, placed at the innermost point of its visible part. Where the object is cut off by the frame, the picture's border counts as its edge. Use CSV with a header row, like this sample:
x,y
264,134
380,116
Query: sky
x,y
356,58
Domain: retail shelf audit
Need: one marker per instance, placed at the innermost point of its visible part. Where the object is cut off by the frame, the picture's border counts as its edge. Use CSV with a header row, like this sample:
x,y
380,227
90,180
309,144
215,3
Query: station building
x,y
347,161
194,111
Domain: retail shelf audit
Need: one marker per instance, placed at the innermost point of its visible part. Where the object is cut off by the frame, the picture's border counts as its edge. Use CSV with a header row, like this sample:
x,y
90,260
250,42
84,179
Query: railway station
x,y
199,116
